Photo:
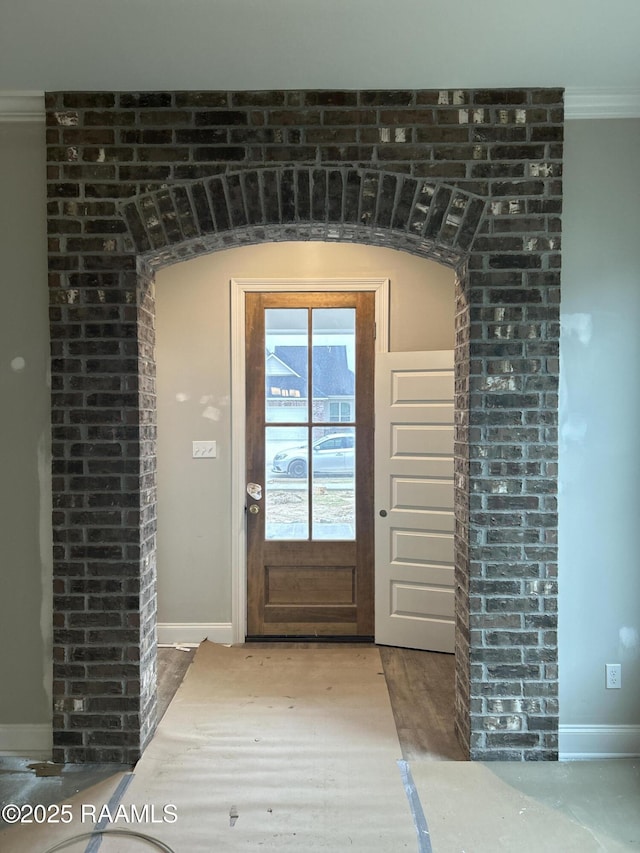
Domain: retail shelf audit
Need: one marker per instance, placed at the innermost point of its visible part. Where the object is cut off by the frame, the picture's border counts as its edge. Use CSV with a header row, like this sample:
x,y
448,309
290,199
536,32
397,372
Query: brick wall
x,y
468,178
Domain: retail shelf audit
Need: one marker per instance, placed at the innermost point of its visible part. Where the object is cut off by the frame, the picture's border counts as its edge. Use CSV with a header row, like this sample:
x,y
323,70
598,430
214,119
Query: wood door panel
x,y
291,553
315,585
299,587
308,613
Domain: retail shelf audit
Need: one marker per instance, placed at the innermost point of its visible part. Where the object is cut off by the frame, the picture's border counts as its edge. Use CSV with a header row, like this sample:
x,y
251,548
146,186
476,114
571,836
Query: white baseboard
x,y
592,742
28,741
193,633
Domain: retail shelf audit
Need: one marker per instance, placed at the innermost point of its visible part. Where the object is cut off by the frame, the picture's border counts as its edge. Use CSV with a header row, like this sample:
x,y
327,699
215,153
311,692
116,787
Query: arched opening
x,y
422,317
197,518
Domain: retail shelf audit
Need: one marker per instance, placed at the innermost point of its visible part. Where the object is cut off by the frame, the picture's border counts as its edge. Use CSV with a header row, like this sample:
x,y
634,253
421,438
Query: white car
x,y
332,454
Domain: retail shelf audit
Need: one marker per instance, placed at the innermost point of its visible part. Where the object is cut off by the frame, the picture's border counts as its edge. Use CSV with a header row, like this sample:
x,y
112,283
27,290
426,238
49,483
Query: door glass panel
x,y
286,365
287,483
333,479
323,445
333,365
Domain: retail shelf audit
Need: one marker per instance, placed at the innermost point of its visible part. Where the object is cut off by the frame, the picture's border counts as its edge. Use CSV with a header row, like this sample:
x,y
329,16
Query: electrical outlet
x,y
613,675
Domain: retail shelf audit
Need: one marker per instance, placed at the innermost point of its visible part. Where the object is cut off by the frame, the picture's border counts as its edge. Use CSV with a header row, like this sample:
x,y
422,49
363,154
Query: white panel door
x,y
414,500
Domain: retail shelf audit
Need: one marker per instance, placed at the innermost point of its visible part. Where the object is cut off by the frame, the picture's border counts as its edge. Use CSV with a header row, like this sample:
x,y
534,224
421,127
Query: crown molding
x,y
580,103
601,103
21,106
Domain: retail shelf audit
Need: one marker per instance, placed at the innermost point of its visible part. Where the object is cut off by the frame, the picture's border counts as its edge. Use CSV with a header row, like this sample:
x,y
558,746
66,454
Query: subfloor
x,y
451,805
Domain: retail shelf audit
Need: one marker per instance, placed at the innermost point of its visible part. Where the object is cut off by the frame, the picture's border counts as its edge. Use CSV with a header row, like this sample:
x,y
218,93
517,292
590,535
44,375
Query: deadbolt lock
x,y
254,509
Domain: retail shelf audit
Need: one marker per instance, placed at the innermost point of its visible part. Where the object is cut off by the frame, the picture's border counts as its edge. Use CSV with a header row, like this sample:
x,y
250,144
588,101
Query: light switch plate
x,y
204,449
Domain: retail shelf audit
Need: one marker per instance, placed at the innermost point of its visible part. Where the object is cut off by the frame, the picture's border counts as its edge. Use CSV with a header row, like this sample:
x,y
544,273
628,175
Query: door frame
x,y
238,288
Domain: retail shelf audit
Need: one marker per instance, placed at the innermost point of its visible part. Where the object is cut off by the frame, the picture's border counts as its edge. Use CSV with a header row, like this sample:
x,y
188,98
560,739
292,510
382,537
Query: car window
x,y
329,444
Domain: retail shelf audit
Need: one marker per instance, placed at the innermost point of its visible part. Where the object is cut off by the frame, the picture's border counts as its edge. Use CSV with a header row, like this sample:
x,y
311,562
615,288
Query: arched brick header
x,y
372,207
471,178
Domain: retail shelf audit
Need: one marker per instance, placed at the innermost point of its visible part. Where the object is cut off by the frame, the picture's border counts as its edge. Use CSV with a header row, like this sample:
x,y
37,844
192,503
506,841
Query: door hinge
x,y
375,331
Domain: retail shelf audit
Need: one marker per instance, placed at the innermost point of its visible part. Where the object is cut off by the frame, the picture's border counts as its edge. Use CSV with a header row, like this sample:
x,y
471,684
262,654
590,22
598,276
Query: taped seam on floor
x,y
419,820
112,805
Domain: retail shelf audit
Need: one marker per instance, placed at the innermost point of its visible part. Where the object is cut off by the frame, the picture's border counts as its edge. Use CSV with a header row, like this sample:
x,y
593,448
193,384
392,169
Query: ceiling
x,y
289,44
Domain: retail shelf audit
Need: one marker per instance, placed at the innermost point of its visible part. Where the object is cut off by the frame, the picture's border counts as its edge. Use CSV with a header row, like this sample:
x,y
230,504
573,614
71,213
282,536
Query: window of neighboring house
x,y
339,411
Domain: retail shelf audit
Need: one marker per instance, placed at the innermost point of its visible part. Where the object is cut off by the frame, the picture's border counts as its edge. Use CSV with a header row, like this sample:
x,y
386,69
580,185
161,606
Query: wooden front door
x,y
309,519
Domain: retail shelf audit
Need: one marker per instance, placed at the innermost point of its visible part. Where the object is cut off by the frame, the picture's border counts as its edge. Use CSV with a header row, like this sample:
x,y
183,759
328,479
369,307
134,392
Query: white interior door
x,y
414,500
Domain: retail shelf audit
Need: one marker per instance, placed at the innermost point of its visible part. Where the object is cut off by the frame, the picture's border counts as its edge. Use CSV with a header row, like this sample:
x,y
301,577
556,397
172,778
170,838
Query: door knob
x,y
254,490
254,509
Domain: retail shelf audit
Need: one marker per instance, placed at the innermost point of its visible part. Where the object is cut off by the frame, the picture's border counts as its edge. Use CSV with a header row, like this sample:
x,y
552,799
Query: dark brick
x,y
352,196
219,204
515,261
289,154
387,200
202,99
201,136
304,118
169,154
229,118
399,97
202,209
318,195
335,192
404,204
359,117
303,195
331,134
142,173
547,134
517,188
330,99
401,152
145,99
66,190
108,118
253,198
455,186
257,99
500,97
437,211
164,117
370,189
220,153
287,196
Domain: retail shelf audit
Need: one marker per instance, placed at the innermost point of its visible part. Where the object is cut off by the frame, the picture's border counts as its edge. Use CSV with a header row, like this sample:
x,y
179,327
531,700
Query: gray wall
x,y
194,376
599,417
25,484
599,455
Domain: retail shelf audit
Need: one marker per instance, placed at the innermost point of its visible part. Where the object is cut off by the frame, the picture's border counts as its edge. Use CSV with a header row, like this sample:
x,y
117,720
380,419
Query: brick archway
x,y
354,205
140,180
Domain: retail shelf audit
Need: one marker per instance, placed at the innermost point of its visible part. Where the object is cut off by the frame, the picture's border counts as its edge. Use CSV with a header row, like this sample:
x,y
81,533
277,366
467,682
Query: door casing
x,y
239,287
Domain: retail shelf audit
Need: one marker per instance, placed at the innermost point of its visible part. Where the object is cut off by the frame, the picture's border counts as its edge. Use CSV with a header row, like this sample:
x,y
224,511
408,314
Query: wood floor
x,y
172,667
422,692
421,689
